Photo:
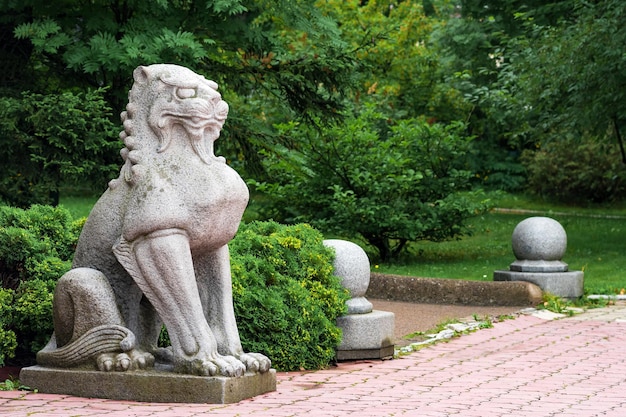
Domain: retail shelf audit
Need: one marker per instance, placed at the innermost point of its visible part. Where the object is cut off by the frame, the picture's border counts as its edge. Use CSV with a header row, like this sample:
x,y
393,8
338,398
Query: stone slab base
x,y
353,355
366,336
562,284
148,386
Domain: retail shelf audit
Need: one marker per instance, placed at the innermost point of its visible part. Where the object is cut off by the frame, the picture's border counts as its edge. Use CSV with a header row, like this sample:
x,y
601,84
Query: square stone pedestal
x,y
366,336
562,284
148,386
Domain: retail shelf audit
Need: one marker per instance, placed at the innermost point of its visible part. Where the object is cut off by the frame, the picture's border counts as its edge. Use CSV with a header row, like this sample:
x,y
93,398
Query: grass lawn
x,y
78,206
596,243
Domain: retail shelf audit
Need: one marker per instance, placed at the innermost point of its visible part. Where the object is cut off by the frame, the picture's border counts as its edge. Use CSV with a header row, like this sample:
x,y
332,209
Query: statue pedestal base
x,y
562,284
366,336
148,386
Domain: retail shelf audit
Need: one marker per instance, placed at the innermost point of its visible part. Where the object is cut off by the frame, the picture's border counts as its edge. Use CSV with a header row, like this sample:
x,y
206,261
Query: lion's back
x,y
101,231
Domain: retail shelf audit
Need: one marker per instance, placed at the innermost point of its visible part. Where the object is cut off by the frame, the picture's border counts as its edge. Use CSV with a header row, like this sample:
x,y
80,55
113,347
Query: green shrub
x,y
497,167
37,243
8,340
286,298
32,314
368,178
576,171
36,249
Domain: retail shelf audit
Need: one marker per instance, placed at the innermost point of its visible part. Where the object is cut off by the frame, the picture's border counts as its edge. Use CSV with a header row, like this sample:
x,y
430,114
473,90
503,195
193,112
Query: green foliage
x,y
572,73
36,248
400,67
536,72
12,385
579,171
32,315
36,244
556,304
389,183
497,167
474,59
271,58
286,298
54,139
8,340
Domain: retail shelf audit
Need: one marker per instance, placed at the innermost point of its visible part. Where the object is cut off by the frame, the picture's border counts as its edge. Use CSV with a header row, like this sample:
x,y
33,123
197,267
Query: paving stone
x,y
528,366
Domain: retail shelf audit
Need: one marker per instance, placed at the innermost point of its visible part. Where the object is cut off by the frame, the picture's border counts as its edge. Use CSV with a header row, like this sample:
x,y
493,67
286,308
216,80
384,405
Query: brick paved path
x,y
529,366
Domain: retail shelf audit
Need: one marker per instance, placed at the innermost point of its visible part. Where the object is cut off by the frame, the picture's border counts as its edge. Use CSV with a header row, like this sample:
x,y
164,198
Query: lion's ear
x,y
141,74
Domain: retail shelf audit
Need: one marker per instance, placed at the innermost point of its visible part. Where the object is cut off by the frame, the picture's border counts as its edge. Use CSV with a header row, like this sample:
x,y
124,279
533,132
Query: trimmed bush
x,y
286,297
36,249
37,243
8,339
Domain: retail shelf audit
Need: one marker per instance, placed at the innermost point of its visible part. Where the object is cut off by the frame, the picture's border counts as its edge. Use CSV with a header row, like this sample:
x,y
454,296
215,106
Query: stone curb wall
x,y
452,291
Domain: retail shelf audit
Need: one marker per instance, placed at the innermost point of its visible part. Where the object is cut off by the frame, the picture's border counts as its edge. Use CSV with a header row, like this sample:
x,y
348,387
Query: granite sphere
x,y
353,268
351,265
539,238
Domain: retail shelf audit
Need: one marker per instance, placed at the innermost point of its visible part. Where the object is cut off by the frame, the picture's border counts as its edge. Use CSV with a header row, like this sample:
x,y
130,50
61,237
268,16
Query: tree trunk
x,y
618,134
383,246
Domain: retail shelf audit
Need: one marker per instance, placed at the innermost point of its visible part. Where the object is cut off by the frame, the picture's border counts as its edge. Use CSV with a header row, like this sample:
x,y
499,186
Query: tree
x,y
269,57
54,139
393,171
476,48
388,182
572,73
401,66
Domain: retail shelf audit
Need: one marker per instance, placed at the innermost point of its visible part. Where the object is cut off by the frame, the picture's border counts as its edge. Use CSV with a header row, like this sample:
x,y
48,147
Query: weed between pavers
x,y
13,385
560,305
445,331
455,328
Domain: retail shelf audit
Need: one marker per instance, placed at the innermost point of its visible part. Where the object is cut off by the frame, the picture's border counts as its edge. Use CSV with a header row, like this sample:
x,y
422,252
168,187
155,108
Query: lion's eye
x,y
184,93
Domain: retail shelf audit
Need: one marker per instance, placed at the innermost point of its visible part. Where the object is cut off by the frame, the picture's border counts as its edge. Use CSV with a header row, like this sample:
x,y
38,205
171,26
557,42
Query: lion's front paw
x,y
122,362
218,366
256,362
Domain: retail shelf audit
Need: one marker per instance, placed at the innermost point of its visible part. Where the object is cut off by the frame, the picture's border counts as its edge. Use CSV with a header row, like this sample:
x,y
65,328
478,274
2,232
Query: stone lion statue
x,y
154,248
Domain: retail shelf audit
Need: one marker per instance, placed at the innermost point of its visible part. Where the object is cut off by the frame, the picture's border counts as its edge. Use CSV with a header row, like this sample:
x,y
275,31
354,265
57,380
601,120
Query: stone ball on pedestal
x,y
539,243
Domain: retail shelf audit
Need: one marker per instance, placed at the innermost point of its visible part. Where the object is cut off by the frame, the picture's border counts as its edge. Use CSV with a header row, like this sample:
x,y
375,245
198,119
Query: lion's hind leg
x,y
88,326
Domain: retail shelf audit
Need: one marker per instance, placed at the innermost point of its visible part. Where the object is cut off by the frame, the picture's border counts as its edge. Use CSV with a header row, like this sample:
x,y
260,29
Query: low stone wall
x,y
453,291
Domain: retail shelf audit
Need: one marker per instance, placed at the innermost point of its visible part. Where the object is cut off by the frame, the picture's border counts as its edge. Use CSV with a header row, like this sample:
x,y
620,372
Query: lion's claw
x,y
256,362
218,366
122,362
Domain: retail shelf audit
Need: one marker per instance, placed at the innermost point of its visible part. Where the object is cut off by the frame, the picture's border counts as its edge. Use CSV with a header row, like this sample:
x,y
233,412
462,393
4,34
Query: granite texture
x,y
353,267
148,386
539,238
370,334
539,243
453,291
563,284
154,252
367,333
